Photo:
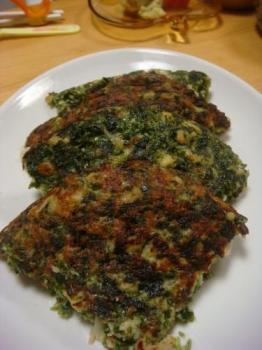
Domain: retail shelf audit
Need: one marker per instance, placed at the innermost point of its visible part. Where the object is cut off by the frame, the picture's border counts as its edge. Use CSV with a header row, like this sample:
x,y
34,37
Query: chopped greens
x,y
115,135
127,257
70,98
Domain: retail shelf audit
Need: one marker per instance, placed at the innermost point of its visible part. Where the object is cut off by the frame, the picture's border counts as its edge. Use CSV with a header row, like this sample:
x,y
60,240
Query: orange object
x,y
34,9
175,4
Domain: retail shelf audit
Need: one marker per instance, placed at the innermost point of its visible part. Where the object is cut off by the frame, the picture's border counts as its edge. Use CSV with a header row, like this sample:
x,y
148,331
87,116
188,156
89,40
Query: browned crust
x,y
144,89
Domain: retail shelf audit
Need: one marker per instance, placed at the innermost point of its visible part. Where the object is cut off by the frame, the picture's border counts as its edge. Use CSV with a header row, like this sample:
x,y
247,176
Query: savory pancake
x,y
126,247
143,89
199,82
114,135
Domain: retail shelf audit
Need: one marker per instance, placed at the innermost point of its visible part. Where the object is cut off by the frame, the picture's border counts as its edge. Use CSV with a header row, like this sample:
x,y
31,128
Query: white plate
x,y
228,308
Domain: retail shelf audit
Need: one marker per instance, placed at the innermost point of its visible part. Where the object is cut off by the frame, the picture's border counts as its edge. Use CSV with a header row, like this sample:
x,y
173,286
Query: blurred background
x,y
5,4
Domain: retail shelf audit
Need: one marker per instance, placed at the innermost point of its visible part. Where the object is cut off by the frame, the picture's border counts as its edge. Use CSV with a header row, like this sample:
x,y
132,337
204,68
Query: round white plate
x,y
228,308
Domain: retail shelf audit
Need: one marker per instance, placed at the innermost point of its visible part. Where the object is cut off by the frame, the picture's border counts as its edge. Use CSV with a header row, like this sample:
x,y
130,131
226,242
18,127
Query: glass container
x,y
111,18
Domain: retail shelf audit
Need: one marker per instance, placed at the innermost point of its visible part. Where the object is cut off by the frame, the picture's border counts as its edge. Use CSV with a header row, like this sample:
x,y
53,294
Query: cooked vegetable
x,y
114,135
199,82
182,93
123,246
135,208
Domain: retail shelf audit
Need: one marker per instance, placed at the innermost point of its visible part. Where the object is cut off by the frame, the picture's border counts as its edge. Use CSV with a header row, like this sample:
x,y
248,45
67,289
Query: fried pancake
x,y
123,246
153,88
199,82
118,134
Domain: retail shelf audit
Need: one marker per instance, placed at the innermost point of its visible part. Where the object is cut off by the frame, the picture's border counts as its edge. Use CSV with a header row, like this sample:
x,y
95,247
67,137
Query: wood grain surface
x,y
235,45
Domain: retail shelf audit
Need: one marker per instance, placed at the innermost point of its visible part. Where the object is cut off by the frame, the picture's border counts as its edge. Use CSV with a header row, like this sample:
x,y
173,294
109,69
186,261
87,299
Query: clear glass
x,y
110,17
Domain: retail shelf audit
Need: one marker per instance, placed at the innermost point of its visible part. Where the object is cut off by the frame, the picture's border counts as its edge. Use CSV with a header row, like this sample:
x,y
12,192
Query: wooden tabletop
x,y
235,46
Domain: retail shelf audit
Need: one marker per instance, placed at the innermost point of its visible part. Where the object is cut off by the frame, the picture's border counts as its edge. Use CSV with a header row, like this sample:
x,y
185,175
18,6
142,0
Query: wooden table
x,y
236,46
